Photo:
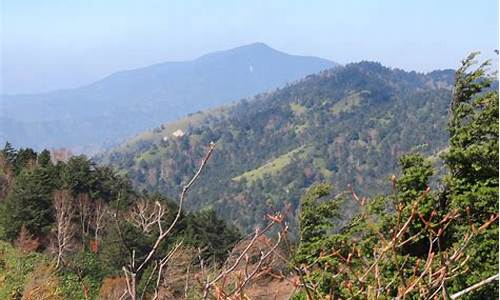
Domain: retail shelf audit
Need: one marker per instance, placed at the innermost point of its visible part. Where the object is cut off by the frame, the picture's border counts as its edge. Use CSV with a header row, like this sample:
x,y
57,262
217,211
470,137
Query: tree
x,y
64,228
366,259
78,175
315,221
472,160
415,175
214,235
29,203
24,157
43,284
9,152
44,158
315,216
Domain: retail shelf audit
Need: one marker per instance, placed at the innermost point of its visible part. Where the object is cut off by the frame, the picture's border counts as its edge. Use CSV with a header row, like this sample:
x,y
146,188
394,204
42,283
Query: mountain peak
x,y
163,92
256,45
257,48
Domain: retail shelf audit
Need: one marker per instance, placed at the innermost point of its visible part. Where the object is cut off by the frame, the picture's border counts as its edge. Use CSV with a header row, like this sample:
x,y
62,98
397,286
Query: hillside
x,y
115,108
347,125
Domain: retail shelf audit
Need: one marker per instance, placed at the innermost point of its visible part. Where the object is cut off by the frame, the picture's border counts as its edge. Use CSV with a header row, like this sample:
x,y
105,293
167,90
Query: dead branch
x,y
144,217
222,277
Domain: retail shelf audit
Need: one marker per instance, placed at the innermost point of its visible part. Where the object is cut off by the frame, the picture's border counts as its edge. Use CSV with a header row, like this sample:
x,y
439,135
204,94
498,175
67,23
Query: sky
x,y
57,44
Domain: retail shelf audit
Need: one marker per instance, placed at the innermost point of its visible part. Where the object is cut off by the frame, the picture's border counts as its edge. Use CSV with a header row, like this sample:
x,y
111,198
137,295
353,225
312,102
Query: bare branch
x,y
475,286
144,216
64,209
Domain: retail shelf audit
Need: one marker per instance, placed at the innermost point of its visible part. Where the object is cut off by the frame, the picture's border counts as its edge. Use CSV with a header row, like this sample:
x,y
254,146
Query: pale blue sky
x,y
51,44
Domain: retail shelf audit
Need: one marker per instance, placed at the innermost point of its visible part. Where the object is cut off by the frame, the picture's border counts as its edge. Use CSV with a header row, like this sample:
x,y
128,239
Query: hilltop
x,y
347,125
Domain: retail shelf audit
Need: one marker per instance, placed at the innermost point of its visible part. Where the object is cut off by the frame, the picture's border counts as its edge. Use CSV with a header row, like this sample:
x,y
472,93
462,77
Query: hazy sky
x,y
51,44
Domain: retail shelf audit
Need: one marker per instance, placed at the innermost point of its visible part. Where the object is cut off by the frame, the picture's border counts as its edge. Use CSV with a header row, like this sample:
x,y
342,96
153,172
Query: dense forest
x,y
347,125
87,218
72,229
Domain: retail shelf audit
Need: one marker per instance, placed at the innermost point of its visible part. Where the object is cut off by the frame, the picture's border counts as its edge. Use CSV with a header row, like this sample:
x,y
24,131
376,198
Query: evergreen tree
x,y
9,152
316,221
472,161
206,231
411,190
44,158
29,204
77,175
23,158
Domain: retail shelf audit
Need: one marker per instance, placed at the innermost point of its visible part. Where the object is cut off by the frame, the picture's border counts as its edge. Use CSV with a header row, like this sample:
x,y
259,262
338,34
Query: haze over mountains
x,y
104,113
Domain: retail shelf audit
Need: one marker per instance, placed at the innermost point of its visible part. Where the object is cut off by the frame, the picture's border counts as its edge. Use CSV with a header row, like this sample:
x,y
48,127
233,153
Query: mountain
x,y
125,103
347,125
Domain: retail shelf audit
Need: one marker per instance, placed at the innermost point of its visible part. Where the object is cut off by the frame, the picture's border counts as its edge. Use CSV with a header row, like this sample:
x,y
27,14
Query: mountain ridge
x,y
346,125
147,96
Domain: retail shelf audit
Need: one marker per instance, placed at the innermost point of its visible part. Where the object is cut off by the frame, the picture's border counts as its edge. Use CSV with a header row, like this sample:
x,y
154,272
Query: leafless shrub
x,y
243,268
25,241
177,276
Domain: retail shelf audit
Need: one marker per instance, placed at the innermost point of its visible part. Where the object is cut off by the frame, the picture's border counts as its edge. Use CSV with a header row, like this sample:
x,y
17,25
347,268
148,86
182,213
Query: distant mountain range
x,y
347,125
108,111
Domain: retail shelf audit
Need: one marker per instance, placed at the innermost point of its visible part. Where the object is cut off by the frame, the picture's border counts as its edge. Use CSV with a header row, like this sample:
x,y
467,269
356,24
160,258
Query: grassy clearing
x,y
274,166
348,103
297,108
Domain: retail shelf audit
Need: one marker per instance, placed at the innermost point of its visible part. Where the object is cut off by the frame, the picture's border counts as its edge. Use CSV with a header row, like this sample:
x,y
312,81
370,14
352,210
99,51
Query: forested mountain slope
x,y
113,109
347,125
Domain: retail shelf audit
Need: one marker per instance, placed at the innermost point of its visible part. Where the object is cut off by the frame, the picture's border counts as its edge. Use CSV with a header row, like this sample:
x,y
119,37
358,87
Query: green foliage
x,y
316,217
29,203
82,275
416,172
316,214
472,161
348,125
206,231
410,189
15,270
44,158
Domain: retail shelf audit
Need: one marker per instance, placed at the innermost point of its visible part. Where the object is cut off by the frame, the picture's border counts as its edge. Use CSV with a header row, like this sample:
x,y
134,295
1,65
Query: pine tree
x,y
315,218
410,190
44,158
9,152
316,224
472,161
28,204
24,158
